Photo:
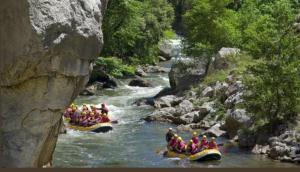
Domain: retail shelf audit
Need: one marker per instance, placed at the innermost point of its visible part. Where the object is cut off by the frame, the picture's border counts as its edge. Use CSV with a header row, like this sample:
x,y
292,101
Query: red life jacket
x,y
195,140
180,145
173,143
204,143
192,148
212,145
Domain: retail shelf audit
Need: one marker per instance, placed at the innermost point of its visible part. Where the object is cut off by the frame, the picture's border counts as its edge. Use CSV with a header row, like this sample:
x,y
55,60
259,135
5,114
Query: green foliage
x,y
115,67
209,26
273,91
133,28
215,76
263,23
169,34
238,64
273,84
263,29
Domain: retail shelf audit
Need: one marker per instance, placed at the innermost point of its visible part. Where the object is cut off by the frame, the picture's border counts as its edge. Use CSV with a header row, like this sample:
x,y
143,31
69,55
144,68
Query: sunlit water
x,y
135,143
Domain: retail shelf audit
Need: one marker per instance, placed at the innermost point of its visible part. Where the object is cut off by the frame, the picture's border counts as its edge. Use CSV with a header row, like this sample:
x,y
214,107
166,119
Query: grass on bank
x,y
237,65
115,67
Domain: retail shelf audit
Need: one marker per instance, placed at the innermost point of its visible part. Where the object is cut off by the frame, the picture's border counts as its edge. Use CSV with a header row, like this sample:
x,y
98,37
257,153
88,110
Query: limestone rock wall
x,y
46,50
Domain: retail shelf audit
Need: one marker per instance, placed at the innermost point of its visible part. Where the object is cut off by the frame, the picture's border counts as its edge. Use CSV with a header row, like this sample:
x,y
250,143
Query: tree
x,y
133,28
209,26
273,85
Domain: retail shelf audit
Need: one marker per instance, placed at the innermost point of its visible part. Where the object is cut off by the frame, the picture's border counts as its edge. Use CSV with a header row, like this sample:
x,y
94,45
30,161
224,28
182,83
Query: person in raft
x,y
94,110
195,138
173,143
213,144
69,111
180,147
191,148
203,144
104,109
85,108
169,135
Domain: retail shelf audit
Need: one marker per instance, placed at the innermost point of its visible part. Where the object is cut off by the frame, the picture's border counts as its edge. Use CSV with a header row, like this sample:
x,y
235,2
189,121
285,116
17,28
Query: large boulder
x,y
235,119
189,117
220,89
220,61
100,76
204,110
234,99
246,139
184,107
183,75
140,72
139,82
169,48
164,115
214,131
46,50
208,92
167,101
89,91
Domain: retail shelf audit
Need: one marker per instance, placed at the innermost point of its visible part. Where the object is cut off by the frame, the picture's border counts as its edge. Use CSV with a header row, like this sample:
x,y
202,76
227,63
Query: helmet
x,y
170,129
92,113
83,113
213,138
176,136
191,141
194,133
179,138
204,136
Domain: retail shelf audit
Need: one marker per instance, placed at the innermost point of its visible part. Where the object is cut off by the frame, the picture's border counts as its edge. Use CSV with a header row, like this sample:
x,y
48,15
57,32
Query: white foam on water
x,y
164,78
174,159
144,91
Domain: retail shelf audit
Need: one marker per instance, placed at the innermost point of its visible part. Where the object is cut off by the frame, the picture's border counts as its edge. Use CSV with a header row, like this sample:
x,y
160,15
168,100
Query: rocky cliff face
x,y
46,50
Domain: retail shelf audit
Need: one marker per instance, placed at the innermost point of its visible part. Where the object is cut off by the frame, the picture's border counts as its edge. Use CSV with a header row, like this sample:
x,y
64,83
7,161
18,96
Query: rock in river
x,y
139,82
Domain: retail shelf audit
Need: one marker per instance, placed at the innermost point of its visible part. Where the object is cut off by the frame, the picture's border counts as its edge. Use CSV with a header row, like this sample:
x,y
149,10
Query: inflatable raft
x,y
205,155
100,127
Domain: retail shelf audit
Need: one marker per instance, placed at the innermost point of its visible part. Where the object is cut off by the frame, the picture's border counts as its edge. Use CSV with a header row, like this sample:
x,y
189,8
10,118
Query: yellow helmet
x,y
204,136
176,136
83,113
194,133
92,113
179,138
191,141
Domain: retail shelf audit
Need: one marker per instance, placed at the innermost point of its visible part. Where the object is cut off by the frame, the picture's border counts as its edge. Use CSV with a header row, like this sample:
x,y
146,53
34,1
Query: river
x,y
134,142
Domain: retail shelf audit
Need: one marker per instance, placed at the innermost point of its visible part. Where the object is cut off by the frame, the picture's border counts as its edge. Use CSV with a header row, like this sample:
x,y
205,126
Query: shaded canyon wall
x,y
46,50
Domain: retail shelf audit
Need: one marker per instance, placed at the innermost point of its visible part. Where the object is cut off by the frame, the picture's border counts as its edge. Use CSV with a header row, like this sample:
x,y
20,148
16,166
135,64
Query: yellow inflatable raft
x,y
205,155
100,127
